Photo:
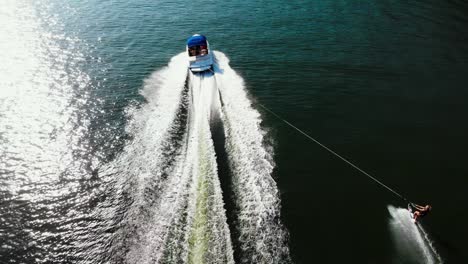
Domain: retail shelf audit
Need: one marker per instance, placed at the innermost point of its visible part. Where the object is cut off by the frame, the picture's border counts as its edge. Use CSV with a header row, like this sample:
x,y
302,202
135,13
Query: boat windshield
x,y
200,50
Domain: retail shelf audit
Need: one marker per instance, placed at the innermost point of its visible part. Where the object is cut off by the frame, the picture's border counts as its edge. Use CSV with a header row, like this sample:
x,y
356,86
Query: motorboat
x,y
199,53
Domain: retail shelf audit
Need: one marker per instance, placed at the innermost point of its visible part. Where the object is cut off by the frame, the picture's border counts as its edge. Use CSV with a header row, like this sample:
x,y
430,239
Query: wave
x,y
262,237
411,240
164,202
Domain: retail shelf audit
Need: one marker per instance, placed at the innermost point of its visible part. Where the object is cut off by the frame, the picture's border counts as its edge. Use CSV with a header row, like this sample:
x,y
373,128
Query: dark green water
x,y
382,83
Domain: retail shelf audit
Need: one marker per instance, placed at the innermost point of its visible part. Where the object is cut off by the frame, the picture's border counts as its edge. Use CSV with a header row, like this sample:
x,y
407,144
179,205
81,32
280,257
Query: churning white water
x,y
166,203
411,241
261,235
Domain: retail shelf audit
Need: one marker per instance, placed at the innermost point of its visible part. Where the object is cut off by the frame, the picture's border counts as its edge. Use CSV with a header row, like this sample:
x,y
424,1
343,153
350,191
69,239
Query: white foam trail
x,y
209,235
411,241
430,244
262,237
177,213
166,203
189,224
142,175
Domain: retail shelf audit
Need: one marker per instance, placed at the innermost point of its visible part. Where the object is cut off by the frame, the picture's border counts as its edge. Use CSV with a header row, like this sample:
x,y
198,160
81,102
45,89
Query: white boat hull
x,y
201,63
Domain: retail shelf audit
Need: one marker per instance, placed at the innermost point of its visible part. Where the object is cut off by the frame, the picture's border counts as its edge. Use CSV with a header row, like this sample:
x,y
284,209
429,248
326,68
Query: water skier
x,y
418,211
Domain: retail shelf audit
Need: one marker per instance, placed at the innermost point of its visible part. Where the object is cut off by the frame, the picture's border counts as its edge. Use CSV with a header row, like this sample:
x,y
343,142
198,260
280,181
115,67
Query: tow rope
x,y
336,154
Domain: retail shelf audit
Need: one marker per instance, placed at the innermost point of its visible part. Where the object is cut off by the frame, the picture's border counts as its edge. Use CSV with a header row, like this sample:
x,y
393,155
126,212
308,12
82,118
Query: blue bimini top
x,y
196,40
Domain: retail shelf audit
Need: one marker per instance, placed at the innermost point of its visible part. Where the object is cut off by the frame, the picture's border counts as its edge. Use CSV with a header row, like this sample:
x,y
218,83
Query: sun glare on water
x,y
37,78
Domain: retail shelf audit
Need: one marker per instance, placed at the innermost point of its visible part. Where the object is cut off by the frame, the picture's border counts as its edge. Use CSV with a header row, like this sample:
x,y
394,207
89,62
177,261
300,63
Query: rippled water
x,y
81,129
46,141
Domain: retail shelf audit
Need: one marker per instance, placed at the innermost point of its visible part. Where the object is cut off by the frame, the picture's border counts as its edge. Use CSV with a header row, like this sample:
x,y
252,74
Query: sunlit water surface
x,y
97,156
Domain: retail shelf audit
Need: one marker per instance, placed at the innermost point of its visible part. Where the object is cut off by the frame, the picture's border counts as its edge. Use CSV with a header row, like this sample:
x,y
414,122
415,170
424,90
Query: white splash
x,y
411,241
262,237
209,238
150,174
166,202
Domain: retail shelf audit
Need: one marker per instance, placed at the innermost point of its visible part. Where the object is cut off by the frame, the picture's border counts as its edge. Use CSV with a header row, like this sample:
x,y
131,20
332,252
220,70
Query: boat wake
x,y
411,240
165,203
